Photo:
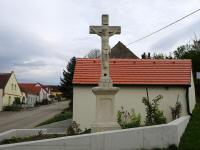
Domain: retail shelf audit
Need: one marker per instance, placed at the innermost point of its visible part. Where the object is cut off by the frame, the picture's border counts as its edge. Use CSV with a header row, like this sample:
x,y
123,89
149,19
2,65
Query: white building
x,y
169,78
30,94
44,92
1,99
9,89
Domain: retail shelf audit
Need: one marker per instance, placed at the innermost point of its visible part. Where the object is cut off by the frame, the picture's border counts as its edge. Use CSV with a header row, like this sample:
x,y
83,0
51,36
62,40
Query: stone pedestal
x,y
105,116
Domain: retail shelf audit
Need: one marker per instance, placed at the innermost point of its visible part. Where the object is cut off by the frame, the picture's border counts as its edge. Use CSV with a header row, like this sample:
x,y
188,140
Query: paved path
x,y
29,118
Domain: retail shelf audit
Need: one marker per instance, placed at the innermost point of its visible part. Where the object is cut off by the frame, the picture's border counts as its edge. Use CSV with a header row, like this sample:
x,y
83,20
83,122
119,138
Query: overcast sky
x,y
38,37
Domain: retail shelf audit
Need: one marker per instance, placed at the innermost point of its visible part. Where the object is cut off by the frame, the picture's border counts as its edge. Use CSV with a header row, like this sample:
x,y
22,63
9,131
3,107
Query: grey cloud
x,y
37,38
168,42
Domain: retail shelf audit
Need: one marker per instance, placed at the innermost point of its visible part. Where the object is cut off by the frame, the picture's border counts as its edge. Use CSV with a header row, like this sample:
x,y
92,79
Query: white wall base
x,y
159,136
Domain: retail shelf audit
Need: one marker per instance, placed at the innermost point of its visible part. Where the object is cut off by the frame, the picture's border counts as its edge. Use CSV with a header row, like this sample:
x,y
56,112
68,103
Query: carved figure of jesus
x,y
105,32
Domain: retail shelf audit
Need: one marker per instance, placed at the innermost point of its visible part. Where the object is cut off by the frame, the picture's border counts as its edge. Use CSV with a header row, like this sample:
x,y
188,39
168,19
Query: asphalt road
x,y
29,118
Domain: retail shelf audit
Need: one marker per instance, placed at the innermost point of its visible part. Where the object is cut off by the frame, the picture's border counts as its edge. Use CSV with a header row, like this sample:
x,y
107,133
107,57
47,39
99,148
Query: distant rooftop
x,y
4,77
121,51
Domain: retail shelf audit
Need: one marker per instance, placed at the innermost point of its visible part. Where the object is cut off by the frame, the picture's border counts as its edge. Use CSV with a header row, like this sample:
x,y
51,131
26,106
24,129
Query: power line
x,y
144,37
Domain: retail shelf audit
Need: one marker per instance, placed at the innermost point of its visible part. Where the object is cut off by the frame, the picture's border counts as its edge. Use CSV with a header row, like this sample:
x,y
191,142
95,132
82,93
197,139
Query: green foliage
x,y
12,108
51,96
17,101
191,51
64,115
30,138
176,110
170,147
154,116
128,119
156,56
66,85
74,129
190,139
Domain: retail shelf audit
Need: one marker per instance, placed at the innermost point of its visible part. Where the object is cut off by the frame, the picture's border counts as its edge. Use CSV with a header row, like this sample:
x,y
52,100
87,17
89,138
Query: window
x,y
9,100
12,86
15,87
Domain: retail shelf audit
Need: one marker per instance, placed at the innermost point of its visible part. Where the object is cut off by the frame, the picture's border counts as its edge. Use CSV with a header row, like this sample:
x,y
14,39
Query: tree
x,y
66,85
191,51
94,53
156,56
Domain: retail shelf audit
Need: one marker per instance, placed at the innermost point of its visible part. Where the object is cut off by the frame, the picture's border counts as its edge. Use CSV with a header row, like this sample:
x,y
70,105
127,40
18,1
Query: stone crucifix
x,y
105,118
105,32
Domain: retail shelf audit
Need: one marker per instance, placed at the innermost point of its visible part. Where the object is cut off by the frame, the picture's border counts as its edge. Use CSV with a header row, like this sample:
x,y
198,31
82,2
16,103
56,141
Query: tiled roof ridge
x,y
126,59
136,71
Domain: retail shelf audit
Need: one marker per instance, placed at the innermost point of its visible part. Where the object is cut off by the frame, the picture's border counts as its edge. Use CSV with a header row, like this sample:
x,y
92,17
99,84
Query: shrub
x,y
154,116
176,110
74,129
17,101
11,108
128,119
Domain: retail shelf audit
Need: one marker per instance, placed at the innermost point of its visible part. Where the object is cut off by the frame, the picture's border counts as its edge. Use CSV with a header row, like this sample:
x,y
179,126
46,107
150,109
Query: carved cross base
x,y
105,116
106,83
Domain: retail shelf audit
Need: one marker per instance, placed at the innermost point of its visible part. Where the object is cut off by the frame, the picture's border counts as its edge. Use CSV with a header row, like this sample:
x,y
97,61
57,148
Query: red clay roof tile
x,y
30,88
135,71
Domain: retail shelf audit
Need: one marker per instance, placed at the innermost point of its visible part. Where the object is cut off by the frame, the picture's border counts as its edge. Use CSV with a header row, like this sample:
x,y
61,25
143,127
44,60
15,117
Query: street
x,y
29,118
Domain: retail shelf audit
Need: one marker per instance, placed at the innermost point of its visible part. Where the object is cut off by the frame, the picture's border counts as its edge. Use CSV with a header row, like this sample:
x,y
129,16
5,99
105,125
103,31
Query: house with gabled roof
x,y
170,78
34,92
121,51
9,89
30,94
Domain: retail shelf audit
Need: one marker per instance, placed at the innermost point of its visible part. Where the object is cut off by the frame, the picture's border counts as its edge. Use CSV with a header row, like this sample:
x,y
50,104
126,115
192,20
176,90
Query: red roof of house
x,y
4,77
135,71
30,88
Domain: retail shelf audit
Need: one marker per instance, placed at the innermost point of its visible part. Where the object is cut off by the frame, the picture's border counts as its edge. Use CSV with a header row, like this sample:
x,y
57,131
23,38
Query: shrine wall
x,y
128,97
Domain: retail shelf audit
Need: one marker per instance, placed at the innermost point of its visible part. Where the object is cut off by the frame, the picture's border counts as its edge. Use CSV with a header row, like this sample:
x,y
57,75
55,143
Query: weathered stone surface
x,y
105,92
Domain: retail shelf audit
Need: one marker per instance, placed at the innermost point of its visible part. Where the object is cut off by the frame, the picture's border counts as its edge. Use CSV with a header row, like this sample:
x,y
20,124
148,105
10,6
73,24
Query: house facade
x,y
34,92
1,99
170,78
10,88
44,92
30,94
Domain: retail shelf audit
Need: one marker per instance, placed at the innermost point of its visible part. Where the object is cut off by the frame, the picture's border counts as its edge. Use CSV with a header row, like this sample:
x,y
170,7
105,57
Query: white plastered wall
x,y
128,97
10,92
1,99
192,97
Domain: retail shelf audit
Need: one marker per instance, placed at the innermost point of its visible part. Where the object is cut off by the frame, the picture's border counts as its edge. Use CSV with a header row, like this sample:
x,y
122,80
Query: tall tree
x,y
66,85
94,53
191,51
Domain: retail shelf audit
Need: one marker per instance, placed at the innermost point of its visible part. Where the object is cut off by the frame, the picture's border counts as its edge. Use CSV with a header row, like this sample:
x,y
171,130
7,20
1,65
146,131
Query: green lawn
x,y
31,138
64,115
191,137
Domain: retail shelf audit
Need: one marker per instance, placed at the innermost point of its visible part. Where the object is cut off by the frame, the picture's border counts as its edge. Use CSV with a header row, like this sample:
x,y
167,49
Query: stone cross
x,y
105,32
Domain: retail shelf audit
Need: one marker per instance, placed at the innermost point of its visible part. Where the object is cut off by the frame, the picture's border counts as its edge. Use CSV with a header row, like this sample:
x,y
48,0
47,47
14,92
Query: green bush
x,y
154,116
64,115
74,129
128,119
30,138
11,108
17,101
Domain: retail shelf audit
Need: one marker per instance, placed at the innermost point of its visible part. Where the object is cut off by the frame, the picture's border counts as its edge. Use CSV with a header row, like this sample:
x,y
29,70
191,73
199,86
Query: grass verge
x,y
31,138
64,115
191,137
